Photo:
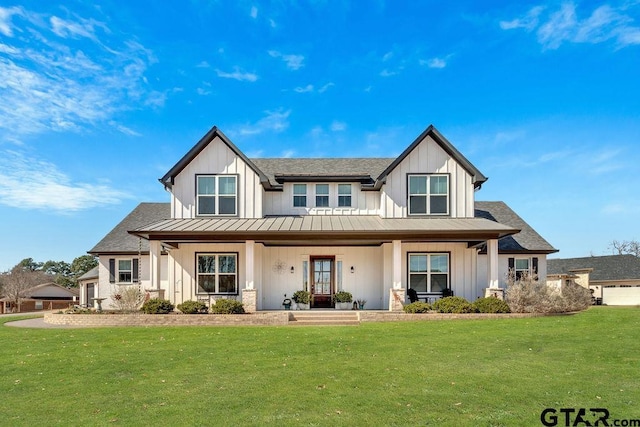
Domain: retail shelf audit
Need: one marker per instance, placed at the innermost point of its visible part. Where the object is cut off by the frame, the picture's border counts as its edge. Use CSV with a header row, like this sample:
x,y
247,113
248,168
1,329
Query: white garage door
x,y
621,296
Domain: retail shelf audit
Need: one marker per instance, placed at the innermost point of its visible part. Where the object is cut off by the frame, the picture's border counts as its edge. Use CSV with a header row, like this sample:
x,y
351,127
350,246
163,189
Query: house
x,y
87,284
257,230
47,296
614,279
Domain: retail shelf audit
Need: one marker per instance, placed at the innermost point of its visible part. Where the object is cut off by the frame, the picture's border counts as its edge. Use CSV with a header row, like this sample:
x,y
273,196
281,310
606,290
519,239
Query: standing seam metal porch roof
x,y
286,227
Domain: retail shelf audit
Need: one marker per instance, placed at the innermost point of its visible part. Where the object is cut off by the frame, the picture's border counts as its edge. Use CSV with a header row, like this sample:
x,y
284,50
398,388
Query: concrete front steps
x,y
324,318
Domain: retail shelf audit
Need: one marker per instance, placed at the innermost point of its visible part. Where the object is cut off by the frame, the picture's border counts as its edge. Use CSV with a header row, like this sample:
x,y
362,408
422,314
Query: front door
x,y
321,282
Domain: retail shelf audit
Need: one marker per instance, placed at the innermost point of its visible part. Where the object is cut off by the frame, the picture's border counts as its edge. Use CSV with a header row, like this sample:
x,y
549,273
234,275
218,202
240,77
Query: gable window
x,y
428,195
322,195
217,274
299,195
428,272
344,195
217,194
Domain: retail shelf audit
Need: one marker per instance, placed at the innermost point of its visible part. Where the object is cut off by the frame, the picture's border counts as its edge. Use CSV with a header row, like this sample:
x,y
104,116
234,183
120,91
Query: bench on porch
x,y
429,297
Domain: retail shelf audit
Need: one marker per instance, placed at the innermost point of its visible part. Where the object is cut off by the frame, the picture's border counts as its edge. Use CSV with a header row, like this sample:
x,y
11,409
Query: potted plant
x,y
361,303
302,299
343,300
286,302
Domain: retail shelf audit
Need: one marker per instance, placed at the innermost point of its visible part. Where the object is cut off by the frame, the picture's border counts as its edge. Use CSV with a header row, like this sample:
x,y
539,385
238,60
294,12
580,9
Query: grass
x,y
466,372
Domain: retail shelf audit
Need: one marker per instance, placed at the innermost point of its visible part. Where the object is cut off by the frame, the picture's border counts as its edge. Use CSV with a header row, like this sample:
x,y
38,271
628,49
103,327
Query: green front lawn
x,y
465,372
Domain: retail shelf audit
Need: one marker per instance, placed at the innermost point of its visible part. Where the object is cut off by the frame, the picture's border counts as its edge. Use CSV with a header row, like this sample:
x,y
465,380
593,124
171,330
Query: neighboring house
x,y
47,296
87,284
259,229
613,278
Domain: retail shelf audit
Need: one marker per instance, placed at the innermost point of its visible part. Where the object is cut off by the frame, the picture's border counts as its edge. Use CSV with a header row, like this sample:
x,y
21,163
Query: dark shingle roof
x,y
120,241
91,274
343,167
610,267
527,240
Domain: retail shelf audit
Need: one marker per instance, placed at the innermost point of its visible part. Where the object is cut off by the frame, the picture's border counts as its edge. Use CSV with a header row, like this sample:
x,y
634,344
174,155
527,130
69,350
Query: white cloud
x,y
52,83
287,154
202,91
31,183
325,87
307,88
387,56
294,62
337,126
203,64
254,12
388,73
5,19
273,121
435,63
237,74
125,130
563,25
272,23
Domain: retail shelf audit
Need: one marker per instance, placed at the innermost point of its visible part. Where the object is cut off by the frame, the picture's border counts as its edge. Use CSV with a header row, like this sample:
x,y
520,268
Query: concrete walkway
x,y
38,322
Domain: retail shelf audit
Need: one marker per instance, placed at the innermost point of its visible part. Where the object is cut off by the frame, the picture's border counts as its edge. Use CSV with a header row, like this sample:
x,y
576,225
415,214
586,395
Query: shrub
x,y
490,305
301,297
575,297
157,306
193,307
343,296
227,306
452,305
417,307
126,298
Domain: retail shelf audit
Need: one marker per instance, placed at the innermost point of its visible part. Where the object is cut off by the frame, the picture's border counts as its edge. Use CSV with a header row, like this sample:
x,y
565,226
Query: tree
x,y
29,264
623,247
82,264
17,282
61,271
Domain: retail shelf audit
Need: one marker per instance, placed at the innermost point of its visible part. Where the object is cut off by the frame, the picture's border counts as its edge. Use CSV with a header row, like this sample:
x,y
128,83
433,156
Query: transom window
x,y
428,195
125,271
322,195
217,194
217,274
428,272
299,195
344,195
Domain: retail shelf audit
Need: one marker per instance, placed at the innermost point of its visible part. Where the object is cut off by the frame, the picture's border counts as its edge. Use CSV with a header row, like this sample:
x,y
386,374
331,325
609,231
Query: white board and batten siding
x,y
426,158
217,158
362,202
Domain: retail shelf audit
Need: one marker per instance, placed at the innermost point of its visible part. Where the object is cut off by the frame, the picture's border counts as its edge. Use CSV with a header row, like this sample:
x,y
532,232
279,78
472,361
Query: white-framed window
x,y
217,195
322,195
521,267
428,272
428,195
344,195
217,273
125,271
39,305
299,195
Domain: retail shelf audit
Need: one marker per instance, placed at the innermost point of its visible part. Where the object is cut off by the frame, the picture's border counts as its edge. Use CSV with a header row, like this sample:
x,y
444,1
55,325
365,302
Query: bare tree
x,y
16,283
623,247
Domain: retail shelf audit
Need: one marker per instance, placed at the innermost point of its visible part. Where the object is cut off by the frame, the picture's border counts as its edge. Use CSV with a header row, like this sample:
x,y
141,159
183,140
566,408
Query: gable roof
x,y
608,267
91,274
527,240
120,241
214,132
478,177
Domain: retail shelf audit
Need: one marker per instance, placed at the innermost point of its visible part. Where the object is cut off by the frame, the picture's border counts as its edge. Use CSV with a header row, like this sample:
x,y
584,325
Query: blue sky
x,y
99,101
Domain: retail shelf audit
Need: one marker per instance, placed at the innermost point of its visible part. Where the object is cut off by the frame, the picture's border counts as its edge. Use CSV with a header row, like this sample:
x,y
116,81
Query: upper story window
x,y
344,195
428,195
299,195
217,195
322,195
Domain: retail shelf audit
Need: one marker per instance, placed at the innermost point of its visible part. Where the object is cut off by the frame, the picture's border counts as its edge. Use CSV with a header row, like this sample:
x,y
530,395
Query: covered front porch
x,y
263,261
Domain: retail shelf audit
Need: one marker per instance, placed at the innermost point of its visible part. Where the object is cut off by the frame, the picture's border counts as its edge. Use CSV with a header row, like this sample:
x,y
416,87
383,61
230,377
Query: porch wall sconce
x,y
292,269
353,269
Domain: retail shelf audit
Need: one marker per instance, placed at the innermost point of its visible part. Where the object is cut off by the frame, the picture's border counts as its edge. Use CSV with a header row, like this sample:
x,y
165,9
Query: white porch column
x,y
155,252
396,293
492,264
249,296
249,266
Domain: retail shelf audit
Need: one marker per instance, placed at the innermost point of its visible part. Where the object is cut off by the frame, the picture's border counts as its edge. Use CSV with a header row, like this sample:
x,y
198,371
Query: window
x,y
299,195
428,272
217,274
344,195
39,305
521,267
217,195
322,195
428,194
125,271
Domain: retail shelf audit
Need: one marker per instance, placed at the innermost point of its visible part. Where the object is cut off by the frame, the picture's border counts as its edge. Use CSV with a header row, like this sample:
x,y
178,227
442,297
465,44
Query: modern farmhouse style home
x,y
258,230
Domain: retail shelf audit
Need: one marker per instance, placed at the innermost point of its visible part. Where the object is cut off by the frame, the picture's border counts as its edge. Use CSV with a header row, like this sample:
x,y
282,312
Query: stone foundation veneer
x,y
396,299
249,298
137,319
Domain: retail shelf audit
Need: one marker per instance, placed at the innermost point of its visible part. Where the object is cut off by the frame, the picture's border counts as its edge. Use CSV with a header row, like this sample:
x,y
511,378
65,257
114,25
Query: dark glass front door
x,y
322,282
